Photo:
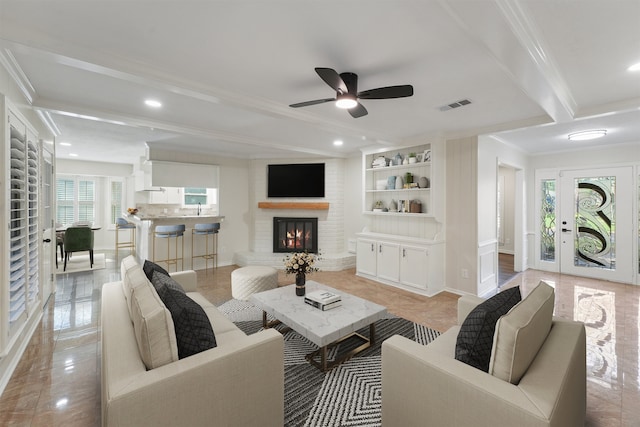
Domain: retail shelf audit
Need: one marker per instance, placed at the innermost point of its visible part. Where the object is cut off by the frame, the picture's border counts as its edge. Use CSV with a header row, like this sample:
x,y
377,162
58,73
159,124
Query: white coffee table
x,y
323,328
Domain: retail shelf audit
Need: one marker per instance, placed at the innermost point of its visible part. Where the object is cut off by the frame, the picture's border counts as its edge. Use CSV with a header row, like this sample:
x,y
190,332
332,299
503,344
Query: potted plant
x,y
412,157
378,206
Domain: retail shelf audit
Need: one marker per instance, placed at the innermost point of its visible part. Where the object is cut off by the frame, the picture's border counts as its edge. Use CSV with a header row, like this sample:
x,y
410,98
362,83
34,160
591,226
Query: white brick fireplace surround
x,y
331,235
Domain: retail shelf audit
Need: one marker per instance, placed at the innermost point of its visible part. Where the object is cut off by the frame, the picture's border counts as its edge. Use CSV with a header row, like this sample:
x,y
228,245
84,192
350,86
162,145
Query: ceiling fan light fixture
x,y
153,103
346,101
587,135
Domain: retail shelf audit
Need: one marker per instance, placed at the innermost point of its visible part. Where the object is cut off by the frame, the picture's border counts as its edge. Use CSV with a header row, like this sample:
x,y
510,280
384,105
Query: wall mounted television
x,y
295,180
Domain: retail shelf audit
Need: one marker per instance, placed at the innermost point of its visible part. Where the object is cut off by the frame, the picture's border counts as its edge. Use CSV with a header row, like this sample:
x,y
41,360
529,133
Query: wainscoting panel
x,y
488,268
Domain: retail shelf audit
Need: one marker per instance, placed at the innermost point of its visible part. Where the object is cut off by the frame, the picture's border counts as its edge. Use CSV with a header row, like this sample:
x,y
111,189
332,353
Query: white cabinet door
x,y
158,197
388,258
174,195
366,256
414,266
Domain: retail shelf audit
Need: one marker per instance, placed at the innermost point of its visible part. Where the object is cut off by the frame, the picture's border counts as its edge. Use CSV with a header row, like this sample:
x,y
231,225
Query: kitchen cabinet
x,y
409,263
166,196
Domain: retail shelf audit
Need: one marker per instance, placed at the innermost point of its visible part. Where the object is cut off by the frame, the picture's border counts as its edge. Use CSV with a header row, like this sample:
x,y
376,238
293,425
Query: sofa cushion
x,y
475,338
149,267
192,327
520,334
153,327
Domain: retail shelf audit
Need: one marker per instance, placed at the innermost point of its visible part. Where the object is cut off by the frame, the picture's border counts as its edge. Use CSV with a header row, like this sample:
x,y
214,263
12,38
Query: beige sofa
x,y
427,386
238,383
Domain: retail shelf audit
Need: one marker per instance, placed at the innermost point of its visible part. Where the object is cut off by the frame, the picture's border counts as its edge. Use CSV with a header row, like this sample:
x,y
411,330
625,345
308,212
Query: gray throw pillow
x,y
161,281
192,326
149,267
475,338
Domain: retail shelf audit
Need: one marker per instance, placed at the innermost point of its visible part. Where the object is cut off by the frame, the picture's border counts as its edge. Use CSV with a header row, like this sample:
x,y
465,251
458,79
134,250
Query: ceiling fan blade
x,y
314,102
387,92
332,78
358,111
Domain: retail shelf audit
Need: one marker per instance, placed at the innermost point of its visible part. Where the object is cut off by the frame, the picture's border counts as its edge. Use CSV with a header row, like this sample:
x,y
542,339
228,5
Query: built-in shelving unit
x,y
406,200
399,246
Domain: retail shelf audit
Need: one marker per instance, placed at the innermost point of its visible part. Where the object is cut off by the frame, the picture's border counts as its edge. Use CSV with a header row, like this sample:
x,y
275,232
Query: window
x,y
548,220
193,196
76,200
203,196
115,210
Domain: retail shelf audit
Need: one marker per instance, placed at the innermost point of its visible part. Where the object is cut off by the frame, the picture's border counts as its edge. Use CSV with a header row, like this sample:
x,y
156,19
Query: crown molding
x,y
18,76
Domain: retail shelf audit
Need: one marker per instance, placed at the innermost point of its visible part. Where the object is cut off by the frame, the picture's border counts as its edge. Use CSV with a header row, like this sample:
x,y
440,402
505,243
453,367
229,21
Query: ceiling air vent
x,y
455,105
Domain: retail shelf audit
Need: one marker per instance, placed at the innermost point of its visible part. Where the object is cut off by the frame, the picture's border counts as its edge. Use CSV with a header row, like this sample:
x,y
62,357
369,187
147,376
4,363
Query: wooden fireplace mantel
x,y
294,205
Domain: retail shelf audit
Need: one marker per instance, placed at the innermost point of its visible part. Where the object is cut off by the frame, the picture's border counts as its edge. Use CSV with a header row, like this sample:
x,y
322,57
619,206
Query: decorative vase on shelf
x,y
398,160
391,182
399,182
301,280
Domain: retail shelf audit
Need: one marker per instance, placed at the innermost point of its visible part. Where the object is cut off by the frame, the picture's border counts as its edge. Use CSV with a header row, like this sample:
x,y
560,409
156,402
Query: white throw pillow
x,y
520,333
132,277
153,327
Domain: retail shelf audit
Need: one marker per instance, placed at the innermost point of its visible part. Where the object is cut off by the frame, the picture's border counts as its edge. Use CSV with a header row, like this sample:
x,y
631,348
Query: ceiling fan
x,y
347,95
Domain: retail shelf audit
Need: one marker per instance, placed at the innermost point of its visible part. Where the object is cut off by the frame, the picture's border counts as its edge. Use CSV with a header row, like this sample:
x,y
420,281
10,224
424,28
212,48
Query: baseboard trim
x,y
9,363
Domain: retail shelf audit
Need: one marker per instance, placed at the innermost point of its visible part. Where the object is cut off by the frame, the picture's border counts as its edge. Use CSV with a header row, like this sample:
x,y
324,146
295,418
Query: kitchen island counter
x,y
145,226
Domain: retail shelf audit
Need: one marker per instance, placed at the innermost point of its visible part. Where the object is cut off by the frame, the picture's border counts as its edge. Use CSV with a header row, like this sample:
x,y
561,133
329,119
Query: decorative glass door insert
x,y
595,244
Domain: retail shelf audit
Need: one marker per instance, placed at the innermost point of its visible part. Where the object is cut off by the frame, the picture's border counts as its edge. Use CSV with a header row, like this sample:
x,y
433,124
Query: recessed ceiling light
x,y
73,155
587,135
634,67
338,142
153,103
65,144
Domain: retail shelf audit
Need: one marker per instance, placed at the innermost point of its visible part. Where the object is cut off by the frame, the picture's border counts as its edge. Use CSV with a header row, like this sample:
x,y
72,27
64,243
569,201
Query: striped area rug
x,y
348,395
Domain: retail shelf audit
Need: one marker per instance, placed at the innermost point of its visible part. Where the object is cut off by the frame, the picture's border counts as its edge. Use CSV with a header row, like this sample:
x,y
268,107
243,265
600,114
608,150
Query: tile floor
x,y
57,382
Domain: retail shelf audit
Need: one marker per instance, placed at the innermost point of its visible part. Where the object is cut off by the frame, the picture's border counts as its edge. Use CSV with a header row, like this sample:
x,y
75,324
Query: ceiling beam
x,y
519,49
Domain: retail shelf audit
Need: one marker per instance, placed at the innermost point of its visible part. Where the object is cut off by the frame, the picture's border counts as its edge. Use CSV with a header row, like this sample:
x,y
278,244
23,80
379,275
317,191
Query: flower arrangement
x,y
300,262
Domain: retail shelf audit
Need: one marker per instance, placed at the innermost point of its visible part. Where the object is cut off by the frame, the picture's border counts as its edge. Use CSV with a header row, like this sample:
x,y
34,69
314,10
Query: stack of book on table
x,y
323,300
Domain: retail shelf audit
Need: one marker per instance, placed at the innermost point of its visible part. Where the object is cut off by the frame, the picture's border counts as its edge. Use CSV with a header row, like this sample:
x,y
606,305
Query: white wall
x,y
354,221
461,208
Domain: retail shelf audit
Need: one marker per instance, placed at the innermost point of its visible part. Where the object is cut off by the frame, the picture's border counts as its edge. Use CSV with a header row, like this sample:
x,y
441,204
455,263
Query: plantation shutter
x,y
65,197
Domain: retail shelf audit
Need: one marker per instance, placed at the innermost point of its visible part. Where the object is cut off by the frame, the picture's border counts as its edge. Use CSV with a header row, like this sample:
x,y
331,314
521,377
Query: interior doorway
x,y
509,222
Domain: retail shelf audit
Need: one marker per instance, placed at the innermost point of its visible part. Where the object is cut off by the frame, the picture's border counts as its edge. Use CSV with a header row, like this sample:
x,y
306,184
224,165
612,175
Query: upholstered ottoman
x,y
246,281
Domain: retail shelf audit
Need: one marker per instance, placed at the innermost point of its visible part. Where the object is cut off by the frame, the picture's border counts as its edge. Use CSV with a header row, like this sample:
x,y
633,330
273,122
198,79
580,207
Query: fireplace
x,y
295,234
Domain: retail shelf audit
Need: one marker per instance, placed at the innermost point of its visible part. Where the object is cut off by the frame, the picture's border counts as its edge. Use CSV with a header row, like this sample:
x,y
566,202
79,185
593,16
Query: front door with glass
x,y
595,225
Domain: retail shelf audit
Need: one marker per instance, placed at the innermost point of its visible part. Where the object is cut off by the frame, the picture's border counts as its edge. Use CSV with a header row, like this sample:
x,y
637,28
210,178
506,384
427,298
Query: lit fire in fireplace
x,y
295,234
295,240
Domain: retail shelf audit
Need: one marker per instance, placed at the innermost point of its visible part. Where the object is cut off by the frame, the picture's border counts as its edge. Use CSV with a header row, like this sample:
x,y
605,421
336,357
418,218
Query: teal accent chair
x,y
78,239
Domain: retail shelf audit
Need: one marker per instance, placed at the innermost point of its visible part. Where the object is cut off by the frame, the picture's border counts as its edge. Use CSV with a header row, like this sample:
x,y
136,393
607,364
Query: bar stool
x,y
170,232
206,230
123,224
